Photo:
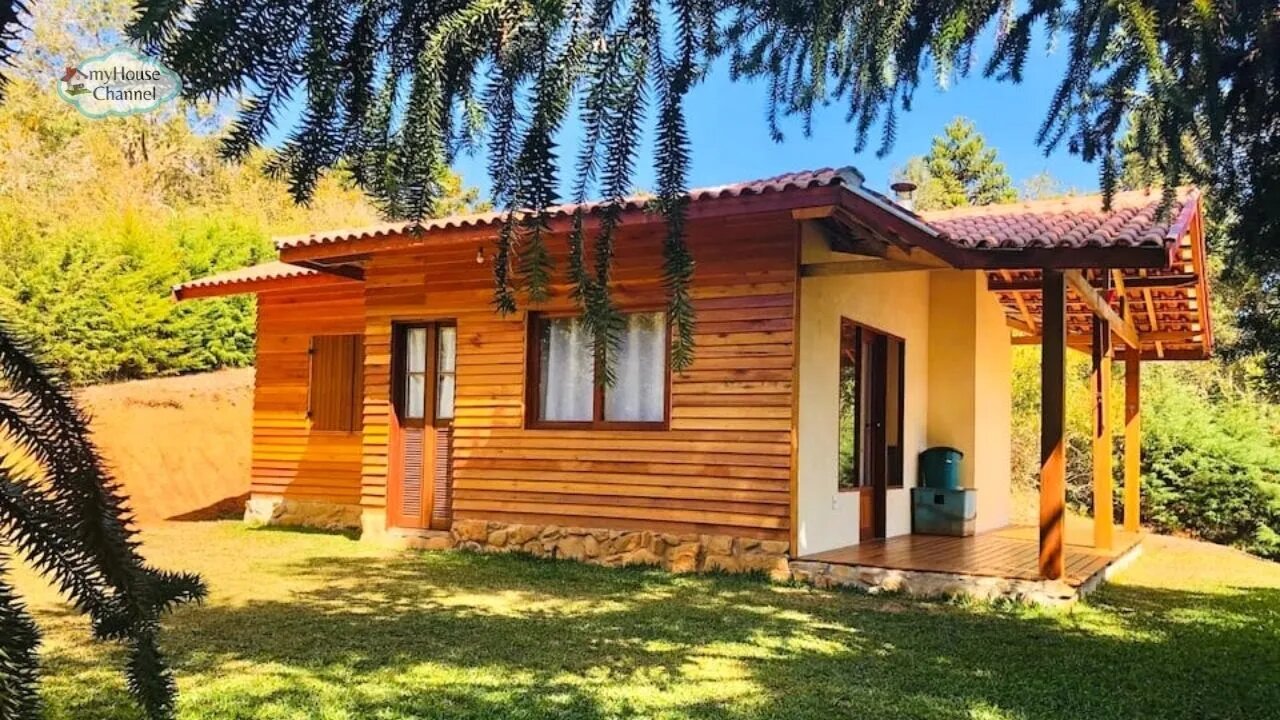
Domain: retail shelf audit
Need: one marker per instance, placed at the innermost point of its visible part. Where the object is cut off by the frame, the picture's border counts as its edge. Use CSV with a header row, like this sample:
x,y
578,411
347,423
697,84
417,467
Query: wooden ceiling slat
x,y
1160,303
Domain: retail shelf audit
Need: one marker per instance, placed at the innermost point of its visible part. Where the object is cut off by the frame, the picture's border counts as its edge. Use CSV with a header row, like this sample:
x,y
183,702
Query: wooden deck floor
x,y
1010,553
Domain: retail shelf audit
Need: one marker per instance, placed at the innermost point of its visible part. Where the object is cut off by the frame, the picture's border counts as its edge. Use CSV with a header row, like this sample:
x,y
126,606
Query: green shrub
x,y
1211,460
100,218
1210,453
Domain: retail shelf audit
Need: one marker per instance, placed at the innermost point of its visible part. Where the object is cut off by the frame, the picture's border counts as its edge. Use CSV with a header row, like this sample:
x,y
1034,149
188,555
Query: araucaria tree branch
x,y
68,519
395,88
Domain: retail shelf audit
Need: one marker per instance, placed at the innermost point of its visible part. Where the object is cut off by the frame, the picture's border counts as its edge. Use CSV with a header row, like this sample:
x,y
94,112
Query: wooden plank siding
x,y
290,458
723,466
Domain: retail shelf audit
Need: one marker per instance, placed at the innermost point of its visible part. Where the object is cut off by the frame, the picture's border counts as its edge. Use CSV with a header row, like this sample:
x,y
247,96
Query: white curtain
x,y
568,372
447,352
639,393
415,369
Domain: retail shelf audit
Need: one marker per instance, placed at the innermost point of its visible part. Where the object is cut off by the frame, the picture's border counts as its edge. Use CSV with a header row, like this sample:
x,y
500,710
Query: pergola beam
x,y
1053,421
1173,336
1179,280
1100,307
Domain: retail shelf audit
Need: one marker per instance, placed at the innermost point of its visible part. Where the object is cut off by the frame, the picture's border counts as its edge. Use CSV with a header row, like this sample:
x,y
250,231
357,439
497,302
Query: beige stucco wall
x,y
993,414
969,375
895,303
956,392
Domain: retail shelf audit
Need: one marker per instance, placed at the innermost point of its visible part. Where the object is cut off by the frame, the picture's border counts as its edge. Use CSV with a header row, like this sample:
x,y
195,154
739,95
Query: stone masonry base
x,y
932,584
275,510
679,553
675,552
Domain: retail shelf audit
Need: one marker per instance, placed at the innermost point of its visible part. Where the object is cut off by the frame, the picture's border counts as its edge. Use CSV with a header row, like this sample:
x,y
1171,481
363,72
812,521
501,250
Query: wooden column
x,y
1053,420
1132,441
1103,490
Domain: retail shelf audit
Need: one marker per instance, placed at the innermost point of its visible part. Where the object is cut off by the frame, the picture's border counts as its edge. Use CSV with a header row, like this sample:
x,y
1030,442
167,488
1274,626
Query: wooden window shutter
x,y
357,383
442,498
413,446
336,391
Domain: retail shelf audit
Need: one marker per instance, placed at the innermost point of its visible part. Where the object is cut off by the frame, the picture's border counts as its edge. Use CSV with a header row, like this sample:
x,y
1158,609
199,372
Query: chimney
x,y
904,193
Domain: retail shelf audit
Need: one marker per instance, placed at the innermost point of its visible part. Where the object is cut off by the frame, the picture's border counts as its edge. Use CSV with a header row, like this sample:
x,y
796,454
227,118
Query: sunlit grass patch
x,y
303,625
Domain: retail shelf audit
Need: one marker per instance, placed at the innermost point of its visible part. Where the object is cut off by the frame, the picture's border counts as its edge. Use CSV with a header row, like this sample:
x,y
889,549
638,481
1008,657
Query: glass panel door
x,y
424,366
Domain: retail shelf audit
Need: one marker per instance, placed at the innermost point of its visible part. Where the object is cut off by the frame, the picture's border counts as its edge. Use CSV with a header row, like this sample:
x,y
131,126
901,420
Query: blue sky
x,y
731,142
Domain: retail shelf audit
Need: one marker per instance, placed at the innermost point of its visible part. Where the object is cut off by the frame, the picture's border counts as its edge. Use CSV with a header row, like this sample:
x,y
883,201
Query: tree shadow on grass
x,y
452,635
348,533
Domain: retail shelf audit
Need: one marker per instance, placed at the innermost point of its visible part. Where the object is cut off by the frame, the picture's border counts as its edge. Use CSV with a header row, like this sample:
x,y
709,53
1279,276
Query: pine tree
x,y
928,194
965,169
959,170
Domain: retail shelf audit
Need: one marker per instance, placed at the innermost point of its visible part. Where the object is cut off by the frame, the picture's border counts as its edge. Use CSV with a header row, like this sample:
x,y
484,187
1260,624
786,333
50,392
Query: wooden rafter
x,y
1099,305
1021,326
1152,318
1201,290
858,267
1021,303
1117,279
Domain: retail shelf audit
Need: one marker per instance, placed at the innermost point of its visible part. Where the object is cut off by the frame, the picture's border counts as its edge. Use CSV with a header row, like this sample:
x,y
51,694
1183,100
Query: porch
x,y
899,356
1012,553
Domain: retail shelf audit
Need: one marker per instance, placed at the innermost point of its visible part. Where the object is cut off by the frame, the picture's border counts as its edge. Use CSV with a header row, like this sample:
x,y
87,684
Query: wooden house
x,y
839,335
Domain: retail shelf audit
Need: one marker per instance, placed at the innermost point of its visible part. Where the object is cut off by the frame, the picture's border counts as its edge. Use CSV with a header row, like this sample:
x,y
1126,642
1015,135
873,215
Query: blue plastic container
x,y
943,512
940,468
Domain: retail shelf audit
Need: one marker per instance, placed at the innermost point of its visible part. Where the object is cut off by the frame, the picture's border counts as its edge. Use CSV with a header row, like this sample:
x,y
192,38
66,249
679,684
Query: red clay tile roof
x,y
274,270
1134,220
243,279
788,181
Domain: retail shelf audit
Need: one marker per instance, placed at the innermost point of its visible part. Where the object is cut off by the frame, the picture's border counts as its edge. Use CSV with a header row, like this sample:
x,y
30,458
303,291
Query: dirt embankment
x,y
180,446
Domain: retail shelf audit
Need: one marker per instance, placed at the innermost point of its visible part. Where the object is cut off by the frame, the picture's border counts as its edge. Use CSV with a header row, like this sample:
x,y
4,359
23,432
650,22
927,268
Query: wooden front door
x,y
419,485
873,490
871,377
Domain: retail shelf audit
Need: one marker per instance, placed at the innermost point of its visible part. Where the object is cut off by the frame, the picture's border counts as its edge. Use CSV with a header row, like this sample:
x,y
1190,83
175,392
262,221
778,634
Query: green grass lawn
x,y
303,625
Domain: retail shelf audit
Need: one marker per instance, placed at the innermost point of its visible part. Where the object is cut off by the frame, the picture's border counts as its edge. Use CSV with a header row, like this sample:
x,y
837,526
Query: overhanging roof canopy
x,y
1167,305
264,277
1156,253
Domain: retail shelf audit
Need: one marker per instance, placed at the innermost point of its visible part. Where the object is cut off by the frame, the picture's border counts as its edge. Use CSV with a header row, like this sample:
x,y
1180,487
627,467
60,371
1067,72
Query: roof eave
x,y
1059,258
354,248
199,290
916,231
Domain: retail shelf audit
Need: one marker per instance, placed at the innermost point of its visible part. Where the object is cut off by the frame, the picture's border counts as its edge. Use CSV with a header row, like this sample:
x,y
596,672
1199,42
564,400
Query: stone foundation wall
x,y
680,553
932,584
275,510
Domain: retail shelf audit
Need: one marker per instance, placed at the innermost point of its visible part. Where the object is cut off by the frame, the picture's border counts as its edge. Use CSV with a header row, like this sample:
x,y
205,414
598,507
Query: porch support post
x,y
1132,441
1053,420
1103,484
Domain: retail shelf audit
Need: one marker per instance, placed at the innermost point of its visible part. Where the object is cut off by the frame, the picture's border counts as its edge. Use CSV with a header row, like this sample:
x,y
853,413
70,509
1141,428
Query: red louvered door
x,y
420,483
